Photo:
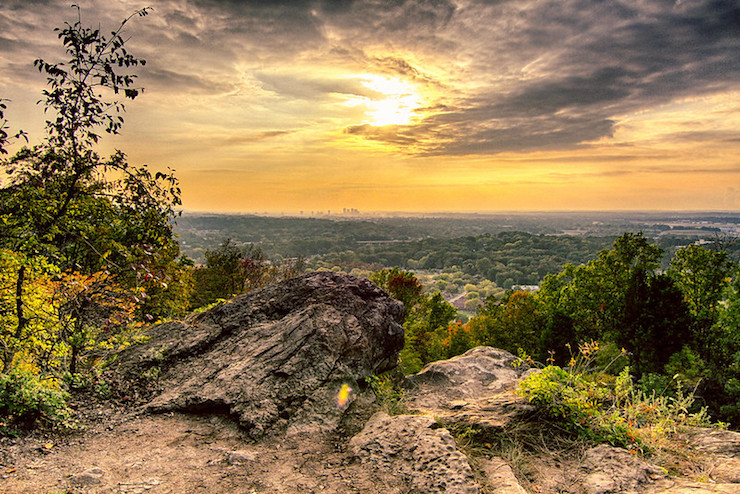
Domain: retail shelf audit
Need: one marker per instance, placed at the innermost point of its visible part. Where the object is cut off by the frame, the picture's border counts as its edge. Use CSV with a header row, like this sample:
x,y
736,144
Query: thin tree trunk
x,y
9,347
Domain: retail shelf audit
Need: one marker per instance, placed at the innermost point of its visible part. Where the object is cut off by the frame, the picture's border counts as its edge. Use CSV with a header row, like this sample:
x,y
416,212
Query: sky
x,y
415,105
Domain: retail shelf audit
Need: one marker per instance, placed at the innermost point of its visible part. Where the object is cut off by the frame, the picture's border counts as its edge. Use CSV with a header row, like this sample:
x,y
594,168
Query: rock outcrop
x,y
474,393
470,390
276,358
475,387
609,469
293,358
416,448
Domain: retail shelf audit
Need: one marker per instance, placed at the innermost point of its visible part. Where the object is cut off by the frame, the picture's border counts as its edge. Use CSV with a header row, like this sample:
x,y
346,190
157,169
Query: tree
x,y
594,295
702,275
425,329
725,359
65,205
226,271
656,323
401,285
513,324
231,270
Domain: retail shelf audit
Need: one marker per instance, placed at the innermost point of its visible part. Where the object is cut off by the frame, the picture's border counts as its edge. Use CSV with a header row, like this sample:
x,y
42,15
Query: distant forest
x,y
506,249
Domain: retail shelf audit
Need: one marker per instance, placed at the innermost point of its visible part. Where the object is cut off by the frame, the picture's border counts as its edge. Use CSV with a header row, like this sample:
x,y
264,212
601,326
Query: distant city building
x,y
525,288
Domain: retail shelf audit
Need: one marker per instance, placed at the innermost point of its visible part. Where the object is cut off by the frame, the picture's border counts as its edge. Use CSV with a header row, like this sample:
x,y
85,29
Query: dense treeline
x,y
494,252
308,237
680,325
506,258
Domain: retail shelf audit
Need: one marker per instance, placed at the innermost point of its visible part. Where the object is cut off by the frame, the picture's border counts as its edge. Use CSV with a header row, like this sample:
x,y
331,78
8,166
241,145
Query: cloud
x,y
168,80
556,75
258,137
522,75
306,87
393,134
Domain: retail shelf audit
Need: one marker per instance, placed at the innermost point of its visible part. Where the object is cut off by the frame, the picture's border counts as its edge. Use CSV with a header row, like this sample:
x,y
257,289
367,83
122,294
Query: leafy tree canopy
x,y
94,234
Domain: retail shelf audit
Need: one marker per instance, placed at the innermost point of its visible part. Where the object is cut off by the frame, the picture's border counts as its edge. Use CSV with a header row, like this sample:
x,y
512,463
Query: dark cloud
x,y
164,80
393,134
569,68
530,133
258,137
520,74
9,45
308,88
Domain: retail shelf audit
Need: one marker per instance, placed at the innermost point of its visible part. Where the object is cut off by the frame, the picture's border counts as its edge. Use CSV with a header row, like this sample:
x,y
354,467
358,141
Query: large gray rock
x,y
275,358
471,390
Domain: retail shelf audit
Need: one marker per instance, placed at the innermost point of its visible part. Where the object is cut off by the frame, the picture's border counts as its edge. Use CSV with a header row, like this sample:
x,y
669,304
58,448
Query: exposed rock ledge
x,y
475,390
274,358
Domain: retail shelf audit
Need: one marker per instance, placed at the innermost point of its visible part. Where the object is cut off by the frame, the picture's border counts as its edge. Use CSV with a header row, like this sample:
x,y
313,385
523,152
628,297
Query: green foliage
x,y
620,298
389,393
593,295
26,399
426,321
512,324
426,330
232,269
87,252
702,275
722,362
603,408
656,322
401,285
35,339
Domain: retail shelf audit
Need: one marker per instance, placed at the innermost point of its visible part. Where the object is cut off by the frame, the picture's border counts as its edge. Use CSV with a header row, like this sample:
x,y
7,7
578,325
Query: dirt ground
x,y
120,450
126,452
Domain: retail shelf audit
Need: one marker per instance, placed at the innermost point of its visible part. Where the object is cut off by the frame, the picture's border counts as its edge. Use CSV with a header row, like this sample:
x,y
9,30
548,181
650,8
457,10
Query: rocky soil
x,y
268,394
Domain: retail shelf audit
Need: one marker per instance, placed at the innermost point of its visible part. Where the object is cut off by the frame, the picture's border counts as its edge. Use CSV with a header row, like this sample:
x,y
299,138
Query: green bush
x,y
605,408
25,400
579,402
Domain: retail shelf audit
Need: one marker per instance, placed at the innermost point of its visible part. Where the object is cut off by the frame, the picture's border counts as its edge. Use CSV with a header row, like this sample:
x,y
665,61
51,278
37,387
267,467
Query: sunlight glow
x,y
396,103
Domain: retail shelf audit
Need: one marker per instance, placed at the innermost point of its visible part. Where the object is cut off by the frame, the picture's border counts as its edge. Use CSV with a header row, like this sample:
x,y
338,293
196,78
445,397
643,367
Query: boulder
x,y
610,470
471,390
475,387
416,448
277,358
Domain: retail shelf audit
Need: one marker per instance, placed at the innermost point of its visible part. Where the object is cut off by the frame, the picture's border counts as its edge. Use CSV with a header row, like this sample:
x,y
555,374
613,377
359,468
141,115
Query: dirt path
x,y
176,453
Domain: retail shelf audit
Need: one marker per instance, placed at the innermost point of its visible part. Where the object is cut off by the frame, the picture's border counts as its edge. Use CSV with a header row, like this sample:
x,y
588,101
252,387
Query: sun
x,y
393,102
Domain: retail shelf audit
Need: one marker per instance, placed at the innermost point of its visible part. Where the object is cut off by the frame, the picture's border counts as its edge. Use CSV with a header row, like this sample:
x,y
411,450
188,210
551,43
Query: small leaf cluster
x,y
6,138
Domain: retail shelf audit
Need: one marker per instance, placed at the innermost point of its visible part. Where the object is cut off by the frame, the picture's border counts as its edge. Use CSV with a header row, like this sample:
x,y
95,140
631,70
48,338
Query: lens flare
x,y
343,395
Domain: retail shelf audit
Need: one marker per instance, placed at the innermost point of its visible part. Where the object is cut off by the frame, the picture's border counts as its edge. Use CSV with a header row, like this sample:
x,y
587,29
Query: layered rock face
x,y
287,358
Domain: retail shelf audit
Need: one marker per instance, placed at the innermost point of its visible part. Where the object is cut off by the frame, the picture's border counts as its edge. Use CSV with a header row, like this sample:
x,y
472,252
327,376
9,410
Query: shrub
x,y
606,408
388,392
26,399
